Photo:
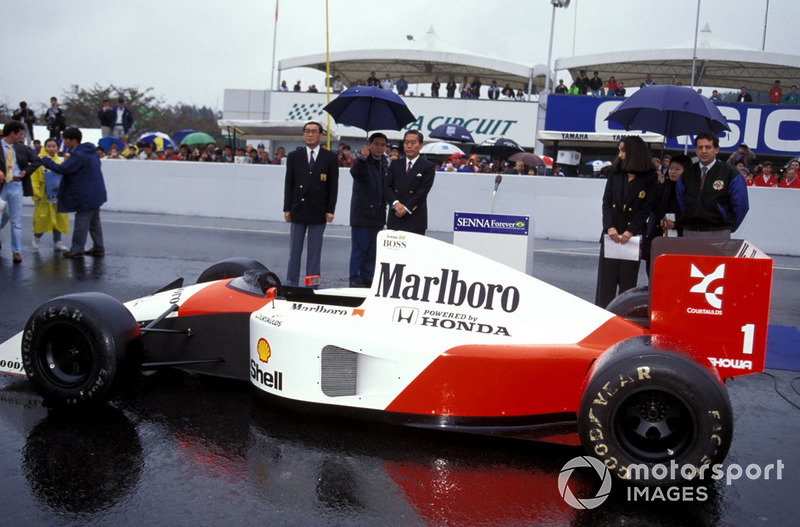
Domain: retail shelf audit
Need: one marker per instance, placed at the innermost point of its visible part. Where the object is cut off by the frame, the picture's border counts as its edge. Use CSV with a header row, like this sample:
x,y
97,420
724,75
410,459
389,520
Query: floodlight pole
x,y
696,30
555,4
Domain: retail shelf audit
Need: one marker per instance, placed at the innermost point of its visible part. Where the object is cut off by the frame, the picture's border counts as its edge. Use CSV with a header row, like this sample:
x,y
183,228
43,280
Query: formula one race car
x,y
443,339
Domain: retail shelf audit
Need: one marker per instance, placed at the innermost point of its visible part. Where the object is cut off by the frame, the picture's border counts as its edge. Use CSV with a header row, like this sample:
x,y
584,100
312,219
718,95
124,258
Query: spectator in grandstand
x,y
742,155
494,91
435,85
596,84
450,87
402,85
766,178
582,83
792,97
790,179
776,93
744,96
387,83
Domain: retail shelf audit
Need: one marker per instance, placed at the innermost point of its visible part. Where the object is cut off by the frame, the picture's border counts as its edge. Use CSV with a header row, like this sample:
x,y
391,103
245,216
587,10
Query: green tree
x,y
150,113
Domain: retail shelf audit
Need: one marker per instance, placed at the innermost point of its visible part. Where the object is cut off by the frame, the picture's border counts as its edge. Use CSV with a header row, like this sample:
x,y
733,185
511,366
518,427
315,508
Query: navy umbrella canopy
x,y
501,147
670,111
452,132
370,108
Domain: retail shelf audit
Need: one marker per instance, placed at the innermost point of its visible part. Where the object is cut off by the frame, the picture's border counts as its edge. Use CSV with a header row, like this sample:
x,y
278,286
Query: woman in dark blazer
x,y
627,203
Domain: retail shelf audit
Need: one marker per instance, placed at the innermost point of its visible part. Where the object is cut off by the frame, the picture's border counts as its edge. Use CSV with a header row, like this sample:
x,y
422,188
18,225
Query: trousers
x,y
87,222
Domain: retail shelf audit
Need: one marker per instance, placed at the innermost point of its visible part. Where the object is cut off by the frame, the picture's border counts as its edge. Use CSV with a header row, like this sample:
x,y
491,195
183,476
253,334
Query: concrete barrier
x,y
561,208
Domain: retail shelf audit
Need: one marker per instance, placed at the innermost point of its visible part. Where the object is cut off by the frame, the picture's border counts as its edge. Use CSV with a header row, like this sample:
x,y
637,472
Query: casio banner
x,y
767,129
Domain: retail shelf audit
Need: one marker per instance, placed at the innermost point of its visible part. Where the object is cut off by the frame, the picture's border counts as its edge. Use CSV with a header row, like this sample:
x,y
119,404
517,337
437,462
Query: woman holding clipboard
x,y
627,203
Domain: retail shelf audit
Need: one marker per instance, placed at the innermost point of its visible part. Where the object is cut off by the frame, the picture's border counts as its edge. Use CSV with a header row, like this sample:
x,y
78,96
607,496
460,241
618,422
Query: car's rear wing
x,y
713,296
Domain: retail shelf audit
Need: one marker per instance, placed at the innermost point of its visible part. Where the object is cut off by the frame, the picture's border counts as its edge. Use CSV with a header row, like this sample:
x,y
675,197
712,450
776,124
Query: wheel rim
x,y
654,424
67,359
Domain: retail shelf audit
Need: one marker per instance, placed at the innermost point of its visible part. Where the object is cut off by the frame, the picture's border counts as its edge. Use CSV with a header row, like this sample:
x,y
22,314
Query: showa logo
x,y
707,288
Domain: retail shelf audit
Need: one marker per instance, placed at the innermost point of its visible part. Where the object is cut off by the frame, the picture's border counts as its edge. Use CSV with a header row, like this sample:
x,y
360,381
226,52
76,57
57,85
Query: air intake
x,y
338,371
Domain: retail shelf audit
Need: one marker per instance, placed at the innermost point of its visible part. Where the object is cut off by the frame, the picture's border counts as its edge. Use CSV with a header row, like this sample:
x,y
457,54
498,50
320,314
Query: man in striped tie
x,y
711,194
407,186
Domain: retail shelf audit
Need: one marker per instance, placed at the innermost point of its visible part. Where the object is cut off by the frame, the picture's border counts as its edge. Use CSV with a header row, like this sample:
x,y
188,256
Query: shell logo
x,y
264,351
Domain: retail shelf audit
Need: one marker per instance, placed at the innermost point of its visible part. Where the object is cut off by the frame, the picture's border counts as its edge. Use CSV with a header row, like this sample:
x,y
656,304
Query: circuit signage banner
x,y
766,128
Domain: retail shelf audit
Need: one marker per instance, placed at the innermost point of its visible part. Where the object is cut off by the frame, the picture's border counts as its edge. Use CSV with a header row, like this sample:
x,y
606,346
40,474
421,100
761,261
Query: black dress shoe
x,y
95,253
70,254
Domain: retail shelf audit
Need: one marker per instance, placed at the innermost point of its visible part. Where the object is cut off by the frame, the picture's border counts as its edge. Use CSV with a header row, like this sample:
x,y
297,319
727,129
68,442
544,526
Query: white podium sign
x,y
502,237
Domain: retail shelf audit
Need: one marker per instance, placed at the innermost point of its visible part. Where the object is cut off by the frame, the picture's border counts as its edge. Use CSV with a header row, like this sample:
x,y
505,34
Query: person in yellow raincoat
x,y
45,215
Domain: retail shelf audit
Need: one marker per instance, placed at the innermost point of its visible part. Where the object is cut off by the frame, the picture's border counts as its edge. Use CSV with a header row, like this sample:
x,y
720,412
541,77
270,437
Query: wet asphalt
x,y
189,450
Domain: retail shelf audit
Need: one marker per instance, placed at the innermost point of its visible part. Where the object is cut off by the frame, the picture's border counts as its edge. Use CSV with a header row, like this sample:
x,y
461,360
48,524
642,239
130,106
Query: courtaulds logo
x,y
264,350
706,287
584,462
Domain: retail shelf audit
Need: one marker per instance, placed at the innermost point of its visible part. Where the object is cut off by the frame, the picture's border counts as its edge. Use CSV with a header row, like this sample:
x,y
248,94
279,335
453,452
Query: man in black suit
x,y
407,186
744,96
309,200
17,163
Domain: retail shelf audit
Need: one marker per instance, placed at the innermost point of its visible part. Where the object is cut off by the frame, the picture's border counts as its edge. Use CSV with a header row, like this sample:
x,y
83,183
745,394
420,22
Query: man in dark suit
x,y
407,186
309,200
367,209
17,163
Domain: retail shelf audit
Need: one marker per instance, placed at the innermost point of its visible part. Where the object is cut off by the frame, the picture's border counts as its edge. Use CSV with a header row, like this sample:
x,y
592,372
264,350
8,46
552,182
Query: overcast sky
x,y
191,50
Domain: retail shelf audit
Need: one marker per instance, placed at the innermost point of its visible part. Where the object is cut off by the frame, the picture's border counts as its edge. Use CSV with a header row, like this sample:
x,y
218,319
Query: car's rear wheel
x,y
79,349
230,268
647,408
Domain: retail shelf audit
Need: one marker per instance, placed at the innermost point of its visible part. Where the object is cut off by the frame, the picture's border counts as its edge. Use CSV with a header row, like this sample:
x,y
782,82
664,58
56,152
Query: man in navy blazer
x,y
309,200
407,186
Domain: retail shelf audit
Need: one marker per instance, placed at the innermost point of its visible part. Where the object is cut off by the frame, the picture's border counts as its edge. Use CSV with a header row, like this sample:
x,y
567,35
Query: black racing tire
x,y
633,305
648,407
81,349
230,268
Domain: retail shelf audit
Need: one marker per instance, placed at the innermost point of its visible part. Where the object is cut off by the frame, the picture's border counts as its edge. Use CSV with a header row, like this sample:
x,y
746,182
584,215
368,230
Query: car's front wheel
x,y
78,349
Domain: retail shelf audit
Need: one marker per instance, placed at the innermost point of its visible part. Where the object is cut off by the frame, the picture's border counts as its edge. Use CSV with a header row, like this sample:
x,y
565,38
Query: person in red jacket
x,y
775,93
790,180
766,178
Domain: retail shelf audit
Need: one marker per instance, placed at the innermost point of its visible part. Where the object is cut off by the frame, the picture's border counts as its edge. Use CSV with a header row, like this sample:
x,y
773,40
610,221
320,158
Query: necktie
x,y
408,170
703,178
10,164
311,160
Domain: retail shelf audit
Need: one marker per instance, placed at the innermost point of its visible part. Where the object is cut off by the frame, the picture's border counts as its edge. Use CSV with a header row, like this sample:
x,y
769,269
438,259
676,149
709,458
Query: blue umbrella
x,y
670,111
370,108
106,142
159,139
179,135
452,132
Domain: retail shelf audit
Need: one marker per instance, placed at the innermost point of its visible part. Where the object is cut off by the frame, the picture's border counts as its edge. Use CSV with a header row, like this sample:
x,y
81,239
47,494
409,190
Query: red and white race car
x,y
443,339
